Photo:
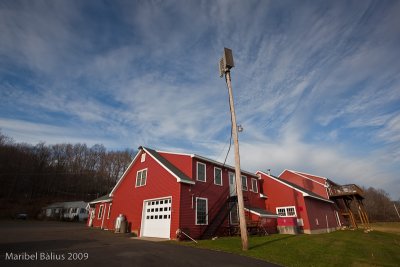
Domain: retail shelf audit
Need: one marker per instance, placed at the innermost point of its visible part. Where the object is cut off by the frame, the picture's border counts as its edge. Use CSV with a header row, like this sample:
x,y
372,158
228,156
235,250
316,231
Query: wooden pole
x,y
242,218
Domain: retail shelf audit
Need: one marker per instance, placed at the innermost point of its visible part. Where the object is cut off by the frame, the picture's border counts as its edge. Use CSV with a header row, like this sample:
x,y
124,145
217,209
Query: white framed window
x,y
244,183
109,211
201,172
101,208
254,185
286,211
143,157
141,177
201,211
217,176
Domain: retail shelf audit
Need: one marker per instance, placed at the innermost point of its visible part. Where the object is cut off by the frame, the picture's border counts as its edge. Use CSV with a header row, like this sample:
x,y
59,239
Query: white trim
x,y
251,181
220,164
225,166
100,214
263,196
261,215
305,177
309,174
125,173
175,153
286,211
298,190
197,171
179,180
109,211
141,177
100,201
104,215
206,199
216,168
144,213
143,157
247,187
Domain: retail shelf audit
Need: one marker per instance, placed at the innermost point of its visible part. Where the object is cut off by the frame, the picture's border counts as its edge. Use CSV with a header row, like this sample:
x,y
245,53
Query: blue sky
x,y
316,83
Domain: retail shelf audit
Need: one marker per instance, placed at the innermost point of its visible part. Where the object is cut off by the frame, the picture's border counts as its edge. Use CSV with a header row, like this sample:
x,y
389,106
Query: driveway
x,y
36,243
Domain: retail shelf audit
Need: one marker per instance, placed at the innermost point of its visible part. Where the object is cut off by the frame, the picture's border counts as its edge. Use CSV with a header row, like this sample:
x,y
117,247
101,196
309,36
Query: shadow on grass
x,y
271,241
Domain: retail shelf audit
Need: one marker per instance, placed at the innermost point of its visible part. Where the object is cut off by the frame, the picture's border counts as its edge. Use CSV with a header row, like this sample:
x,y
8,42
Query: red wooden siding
x,y
128,199
103,221
305,183
182,162
216,195
320,214
280,195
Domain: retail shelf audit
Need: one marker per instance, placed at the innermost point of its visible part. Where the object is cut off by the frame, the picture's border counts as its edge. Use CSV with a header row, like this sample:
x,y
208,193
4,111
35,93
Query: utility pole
x,y
226,63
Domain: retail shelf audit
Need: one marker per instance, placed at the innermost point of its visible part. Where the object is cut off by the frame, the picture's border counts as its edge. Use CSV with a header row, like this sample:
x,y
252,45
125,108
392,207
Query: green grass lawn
x,y
340,248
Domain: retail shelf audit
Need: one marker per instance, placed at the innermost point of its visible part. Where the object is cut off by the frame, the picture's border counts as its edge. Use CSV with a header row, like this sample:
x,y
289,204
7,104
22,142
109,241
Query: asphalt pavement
x,y
44,243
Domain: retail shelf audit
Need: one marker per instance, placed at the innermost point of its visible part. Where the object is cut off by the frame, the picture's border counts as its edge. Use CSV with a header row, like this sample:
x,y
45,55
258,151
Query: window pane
x,y
254,186
138,178
201,172
144,176
244,182
218,176
201,211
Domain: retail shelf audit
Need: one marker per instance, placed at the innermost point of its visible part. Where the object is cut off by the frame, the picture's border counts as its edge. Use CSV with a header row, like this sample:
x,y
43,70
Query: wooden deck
x,y
346,190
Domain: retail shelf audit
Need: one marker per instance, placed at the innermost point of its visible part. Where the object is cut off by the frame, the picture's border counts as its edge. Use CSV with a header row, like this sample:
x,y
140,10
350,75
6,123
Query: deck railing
x,y
345,190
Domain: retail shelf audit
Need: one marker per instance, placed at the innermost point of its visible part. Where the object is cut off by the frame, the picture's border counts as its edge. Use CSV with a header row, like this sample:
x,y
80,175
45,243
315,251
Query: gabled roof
x,y
179,175
261,212
168,166
68,204
220,164
105,198
305,192
305,176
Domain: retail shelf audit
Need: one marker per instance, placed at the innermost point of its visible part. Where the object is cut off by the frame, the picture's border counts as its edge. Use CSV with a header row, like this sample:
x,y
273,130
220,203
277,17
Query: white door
x,y
157,218
232,184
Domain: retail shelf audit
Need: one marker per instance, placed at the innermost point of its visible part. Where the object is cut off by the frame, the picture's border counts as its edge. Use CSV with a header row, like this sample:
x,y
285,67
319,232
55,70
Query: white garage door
x,y
157,218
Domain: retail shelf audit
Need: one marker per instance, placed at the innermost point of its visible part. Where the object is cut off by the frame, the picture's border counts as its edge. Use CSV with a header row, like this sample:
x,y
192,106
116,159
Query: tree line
x,y
32,176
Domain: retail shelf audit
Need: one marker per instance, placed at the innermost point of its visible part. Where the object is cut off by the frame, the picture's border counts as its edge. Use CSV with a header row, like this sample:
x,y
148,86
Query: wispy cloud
x,y
316,85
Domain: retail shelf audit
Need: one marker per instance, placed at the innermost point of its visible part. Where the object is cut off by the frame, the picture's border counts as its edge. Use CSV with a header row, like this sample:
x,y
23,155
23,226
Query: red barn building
x,y
302,203
161,192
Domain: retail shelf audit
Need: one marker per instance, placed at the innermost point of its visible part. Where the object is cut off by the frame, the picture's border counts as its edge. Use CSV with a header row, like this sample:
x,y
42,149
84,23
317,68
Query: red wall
x,y
313,177
107,223
321,211
280,195
182,162
305,183
128,199
216,195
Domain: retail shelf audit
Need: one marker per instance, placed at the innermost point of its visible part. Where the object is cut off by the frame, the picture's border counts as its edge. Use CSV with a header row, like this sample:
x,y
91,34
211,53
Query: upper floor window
x,y
217,176
141,177
201,172
143,157
254,185
286,211
244,183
